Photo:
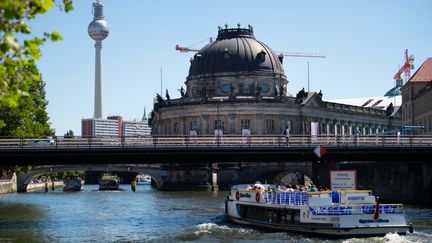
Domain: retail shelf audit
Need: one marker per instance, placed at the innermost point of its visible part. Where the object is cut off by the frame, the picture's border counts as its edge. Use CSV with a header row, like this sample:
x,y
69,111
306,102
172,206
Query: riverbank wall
x,y
41,185
8,184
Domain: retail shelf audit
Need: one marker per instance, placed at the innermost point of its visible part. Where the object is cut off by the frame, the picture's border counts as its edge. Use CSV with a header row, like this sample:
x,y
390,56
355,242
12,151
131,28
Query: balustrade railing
x,y
213,141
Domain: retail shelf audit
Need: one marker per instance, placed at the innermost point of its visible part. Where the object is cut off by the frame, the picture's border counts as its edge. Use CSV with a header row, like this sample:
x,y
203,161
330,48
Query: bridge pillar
x,y
215,186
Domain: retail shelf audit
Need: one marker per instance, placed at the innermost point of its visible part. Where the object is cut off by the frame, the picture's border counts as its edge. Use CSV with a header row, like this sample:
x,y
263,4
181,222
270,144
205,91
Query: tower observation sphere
x,y
98,29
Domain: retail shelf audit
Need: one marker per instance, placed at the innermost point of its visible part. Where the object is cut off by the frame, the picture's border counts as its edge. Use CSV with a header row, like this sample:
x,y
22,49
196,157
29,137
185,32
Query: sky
x,y
364,43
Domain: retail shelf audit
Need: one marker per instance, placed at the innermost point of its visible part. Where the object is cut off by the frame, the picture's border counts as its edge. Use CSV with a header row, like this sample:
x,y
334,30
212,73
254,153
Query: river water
x,y
148,215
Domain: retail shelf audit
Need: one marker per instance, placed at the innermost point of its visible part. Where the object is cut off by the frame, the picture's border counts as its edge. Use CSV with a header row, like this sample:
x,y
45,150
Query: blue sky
x,y
364,42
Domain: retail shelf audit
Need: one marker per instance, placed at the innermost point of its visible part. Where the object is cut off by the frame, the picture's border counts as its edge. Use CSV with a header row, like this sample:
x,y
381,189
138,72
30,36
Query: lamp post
x,y
218,127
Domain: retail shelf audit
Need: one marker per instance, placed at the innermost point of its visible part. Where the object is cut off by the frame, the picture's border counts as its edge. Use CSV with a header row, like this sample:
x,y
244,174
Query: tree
x,y
69,134
17,60
29,118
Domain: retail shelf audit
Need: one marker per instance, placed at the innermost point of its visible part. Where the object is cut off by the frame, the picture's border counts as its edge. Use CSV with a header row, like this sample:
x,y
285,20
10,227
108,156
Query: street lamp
x,y
218,127
218,124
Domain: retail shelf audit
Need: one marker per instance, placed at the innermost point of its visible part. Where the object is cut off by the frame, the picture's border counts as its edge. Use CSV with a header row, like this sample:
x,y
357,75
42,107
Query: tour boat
x,y
109,182
72,184
341,214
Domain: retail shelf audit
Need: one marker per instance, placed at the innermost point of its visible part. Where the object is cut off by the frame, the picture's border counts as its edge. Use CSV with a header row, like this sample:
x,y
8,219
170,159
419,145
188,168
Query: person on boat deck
x,y
313,189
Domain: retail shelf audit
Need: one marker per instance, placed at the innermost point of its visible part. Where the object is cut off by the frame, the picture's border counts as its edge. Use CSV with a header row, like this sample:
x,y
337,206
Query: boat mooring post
x,y
46,186
52,185
133,185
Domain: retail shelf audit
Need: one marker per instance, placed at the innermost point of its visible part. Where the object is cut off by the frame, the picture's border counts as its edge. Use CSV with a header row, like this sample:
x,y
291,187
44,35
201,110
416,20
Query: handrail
x,y
216,141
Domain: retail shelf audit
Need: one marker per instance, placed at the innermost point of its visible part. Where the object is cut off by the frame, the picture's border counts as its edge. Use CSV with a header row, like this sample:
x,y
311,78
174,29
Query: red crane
x,y
185,49
406,67
189,49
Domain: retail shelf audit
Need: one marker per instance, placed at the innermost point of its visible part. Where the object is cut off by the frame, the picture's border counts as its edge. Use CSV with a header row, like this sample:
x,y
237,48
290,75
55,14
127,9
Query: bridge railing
x,y
212,141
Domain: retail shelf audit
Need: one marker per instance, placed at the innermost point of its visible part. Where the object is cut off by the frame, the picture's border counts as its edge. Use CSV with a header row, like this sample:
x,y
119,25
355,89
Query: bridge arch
x,y
292,177
153,171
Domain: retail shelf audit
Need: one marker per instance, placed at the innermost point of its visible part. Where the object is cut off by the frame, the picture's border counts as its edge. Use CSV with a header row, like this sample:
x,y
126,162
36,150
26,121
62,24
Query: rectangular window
x,y
176,128
331,128
245,124
270,126
193,125
219,125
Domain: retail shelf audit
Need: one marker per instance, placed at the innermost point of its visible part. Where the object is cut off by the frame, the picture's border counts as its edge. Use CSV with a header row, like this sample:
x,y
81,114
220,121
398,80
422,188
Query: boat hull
x,y
312,214
323,231
109,185
72,186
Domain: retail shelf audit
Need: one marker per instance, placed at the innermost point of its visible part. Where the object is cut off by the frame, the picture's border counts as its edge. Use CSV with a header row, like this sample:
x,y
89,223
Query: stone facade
x,y
268,116
417,99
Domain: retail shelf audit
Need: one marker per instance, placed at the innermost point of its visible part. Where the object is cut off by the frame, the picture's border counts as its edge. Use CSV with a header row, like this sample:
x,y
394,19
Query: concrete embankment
x,y
8,185
41,185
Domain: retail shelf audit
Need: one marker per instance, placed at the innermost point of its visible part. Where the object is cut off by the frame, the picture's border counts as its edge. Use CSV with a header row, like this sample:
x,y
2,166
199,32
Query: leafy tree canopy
x,y
69,134
17,59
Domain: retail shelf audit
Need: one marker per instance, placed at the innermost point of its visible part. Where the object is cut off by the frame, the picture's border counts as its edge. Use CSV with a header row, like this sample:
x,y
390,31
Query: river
x,y
148,215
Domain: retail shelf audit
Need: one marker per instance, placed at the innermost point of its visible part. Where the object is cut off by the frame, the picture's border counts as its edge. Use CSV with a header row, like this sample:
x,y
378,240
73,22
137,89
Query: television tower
x,y
98,30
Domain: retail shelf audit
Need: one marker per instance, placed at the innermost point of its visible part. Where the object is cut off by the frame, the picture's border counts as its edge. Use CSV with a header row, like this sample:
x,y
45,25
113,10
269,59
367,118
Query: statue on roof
x,y
320,94
389,109
300,96
182,91
160,100
167,95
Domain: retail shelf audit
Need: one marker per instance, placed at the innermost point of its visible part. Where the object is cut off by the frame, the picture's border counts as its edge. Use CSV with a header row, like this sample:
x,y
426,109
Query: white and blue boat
x,y
341,214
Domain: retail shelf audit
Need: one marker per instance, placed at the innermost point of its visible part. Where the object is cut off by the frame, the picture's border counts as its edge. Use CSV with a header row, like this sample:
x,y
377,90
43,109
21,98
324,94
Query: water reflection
x,y
147,215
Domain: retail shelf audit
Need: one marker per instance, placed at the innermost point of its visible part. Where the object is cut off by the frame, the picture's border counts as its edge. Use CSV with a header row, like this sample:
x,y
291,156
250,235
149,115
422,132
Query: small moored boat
x,y
72,184
109,182
342,214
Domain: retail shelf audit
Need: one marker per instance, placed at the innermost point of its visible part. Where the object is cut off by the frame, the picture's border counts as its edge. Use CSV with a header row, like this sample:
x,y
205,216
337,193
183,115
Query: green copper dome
x,y
395,91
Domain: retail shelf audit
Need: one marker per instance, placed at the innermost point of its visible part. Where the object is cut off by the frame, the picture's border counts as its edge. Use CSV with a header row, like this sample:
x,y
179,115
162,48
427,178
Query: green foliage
x,y
22,94
62,175
69,134
29,117
17,60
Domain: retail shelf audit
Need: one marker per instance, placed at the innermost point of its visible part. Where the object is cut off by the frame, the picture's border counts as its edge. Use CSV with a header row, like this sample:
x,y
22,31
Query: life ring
x,y
238,196
257,197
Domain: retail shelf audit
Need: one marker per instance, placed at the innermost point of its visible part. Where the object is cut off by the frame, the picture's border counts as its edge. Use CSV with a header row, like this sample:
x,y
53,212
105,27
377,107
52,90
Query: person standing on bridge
x,y
287,134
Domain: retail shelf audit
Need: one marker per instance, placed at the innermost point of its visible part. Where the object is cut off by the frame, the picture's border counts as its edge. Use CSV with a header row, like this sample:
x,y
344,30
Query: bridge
x,y
396,167
210,149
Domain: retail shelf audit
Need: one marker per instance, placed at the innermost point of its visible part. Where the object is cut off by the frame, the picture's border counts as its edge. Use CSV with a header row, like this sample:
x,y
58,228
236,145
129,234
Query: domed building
x,y
237,83
237,86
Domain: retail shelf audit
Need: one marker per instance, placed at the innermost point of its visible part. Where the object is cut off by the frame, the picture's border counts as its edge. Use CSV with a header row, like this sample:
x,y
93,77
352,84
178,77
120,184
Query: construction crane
x,y
189,49
280,54
406,67
289,54
185,49
301,54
